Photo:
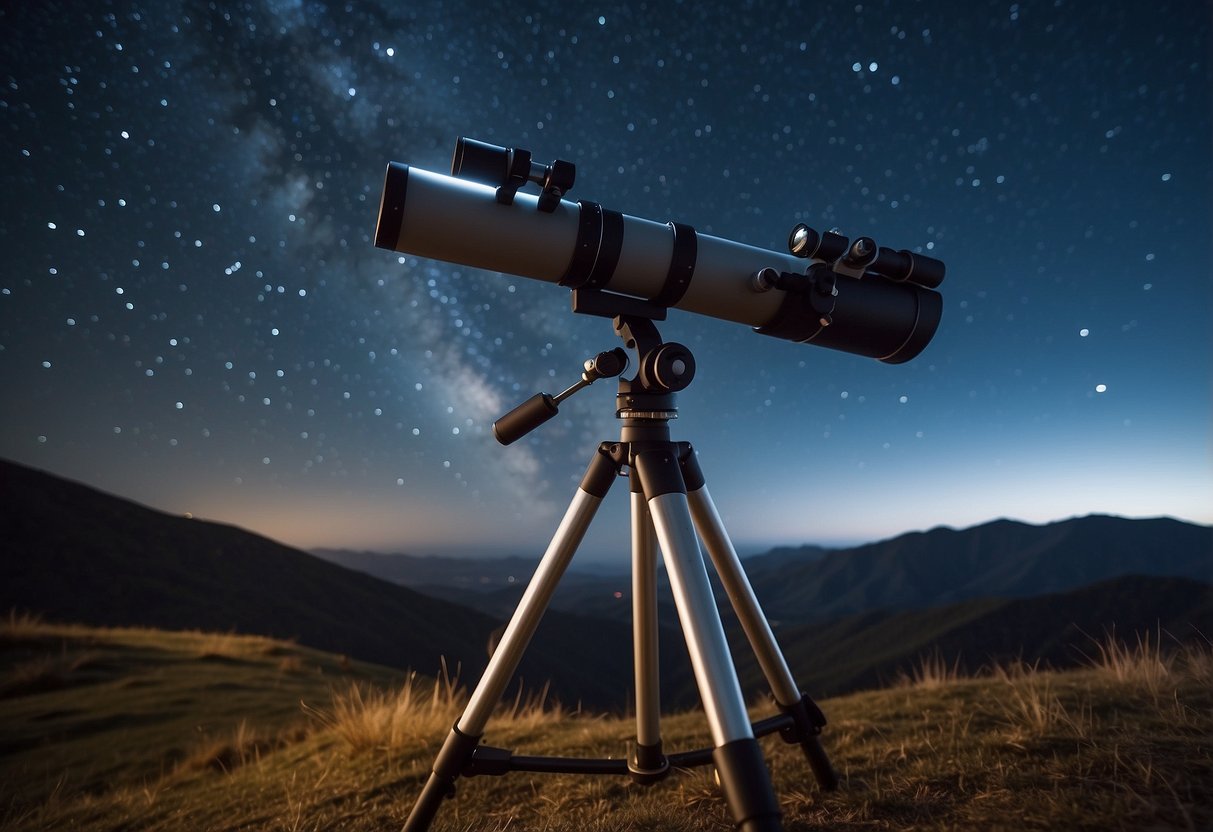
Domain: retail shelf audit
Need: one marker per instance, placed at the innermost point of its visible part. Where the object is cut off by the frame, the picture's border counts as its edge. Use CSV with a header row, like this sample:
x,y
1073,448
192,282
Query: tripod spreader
x,y
490,761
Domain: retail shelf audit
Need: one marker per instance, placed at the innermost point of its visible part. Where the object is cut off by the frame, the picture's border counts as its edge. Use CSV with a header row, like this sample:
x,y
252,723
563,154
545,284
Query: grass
x,y
368,718
1122,744
83,709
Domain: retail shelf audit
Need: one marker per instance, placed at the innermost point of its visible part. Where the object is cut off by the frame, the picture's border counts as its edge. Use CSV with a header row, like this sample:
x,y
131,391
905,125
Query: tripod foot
x,y
647,765
827,778
454,757
746,784
805,731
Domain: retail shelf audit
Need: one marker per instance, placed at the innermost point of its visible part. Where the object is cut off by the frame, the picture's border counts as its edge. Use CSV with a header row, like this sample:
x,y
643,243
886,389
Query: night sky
x,y
193,314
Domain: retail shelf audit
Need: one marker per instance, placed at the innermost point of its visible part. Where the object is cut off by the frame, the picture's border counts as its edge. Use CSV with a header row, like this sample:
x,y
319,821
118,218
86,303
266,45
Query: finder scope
x,y
856,297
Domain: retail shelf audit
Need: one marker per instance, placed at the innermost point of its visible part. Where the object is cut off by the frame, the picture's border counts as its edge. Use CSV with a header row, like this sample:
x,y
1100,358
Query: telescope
x,y
827,290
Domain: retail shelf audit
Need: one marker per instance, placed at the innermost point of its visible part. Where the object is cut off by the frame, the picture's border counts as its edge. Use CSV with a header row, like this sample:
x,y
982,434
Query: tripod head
x,y
663,368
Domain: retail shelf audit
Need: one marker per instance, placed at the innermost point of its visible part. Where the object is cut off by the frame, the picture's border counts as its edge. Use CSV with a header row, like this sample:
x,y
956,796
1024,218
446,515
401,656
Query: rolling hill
x,y
72,553
75,554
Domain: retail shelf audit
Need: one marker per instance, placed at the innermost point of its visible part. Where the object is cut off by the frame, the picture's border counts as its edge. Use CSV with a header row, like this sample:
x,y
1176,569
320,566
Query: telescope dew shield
x,y
457,221
452,219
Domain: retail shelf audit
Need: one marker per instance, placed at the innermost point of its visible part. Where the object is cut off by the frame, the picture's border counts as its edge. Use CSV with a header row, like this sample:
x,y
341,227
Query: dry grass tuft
x,y
371,719
33,676
367,718
44,672
532,710
1031,708
21,626
227,754
1143,665
932,671
1196,662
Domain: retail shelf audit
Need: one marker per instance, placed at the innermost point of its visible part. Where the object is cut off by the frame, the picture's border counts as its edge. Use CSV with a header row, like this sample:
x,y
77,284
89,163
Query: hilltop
x,y
95,727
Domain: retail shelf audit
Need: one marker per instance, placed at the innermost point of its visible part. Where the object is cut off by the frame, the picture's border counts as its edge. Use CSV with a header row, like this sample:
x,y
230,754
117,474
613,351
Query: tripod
x,y
671,508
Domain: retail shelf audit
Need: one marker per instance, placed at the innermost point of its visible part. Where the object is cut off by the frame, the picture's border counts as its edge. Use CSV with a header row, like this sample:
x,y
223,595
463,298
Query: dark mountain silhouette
x,y
1057,630
72,553
782,556
466,576
1001,559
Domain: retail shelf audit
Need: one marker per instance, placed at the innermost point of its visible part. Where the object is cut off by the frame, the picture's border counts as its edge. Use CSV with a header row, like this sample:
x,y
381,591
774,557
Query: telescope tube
x,y
583,245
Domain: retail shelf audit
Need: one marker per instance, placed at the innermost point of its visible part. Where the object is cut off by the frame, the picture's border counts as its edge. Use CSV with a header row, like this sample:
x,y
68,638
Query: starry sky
x,y
193,314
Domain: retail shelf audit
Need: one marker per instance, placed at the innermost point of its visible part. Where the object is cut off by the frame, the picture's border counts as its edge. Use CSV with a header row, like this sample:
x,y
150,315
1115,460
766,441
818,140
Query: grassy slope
x,y
73,553
84,708
100,730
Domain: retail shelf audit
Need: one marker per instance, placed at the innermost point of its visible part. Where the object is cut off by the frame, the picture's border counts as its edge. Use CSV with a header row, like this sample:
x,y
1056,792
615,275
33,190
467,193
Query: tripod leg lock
x,y
603,468
455,755
746,784
452,759
807,720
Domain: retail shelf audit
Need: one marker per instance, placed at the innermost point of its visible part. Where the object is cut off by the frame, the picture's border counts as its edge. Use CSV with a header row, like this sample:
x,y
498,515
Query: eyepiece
x,y
480,162
805,242
511,168
861,254
864,255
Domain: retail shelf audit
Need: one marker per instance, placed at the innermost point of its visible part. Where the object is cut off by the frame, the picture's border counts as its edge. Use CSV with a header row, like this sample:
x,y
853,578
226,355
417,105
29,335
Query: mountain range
x,y
872,649
845,618
1000,559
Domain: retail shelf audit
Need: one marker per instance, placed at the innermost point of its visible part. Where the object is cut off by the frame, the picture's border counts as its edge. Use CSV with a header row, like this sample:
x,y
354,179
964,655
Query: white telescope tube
x,y
582,245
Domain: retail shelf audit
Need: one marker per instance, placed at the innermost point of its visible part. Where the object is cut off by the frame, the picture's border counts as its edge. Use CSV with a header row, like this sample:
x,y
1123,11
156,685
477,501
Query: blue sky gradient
x,y
193,315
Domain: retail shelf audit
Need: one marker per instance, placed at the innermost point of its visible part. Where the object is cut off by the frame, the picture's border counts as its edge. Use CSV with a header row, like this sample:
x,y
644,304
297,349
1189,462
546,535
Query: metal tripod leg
x,y
807,716
646,764
738,759
457,750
